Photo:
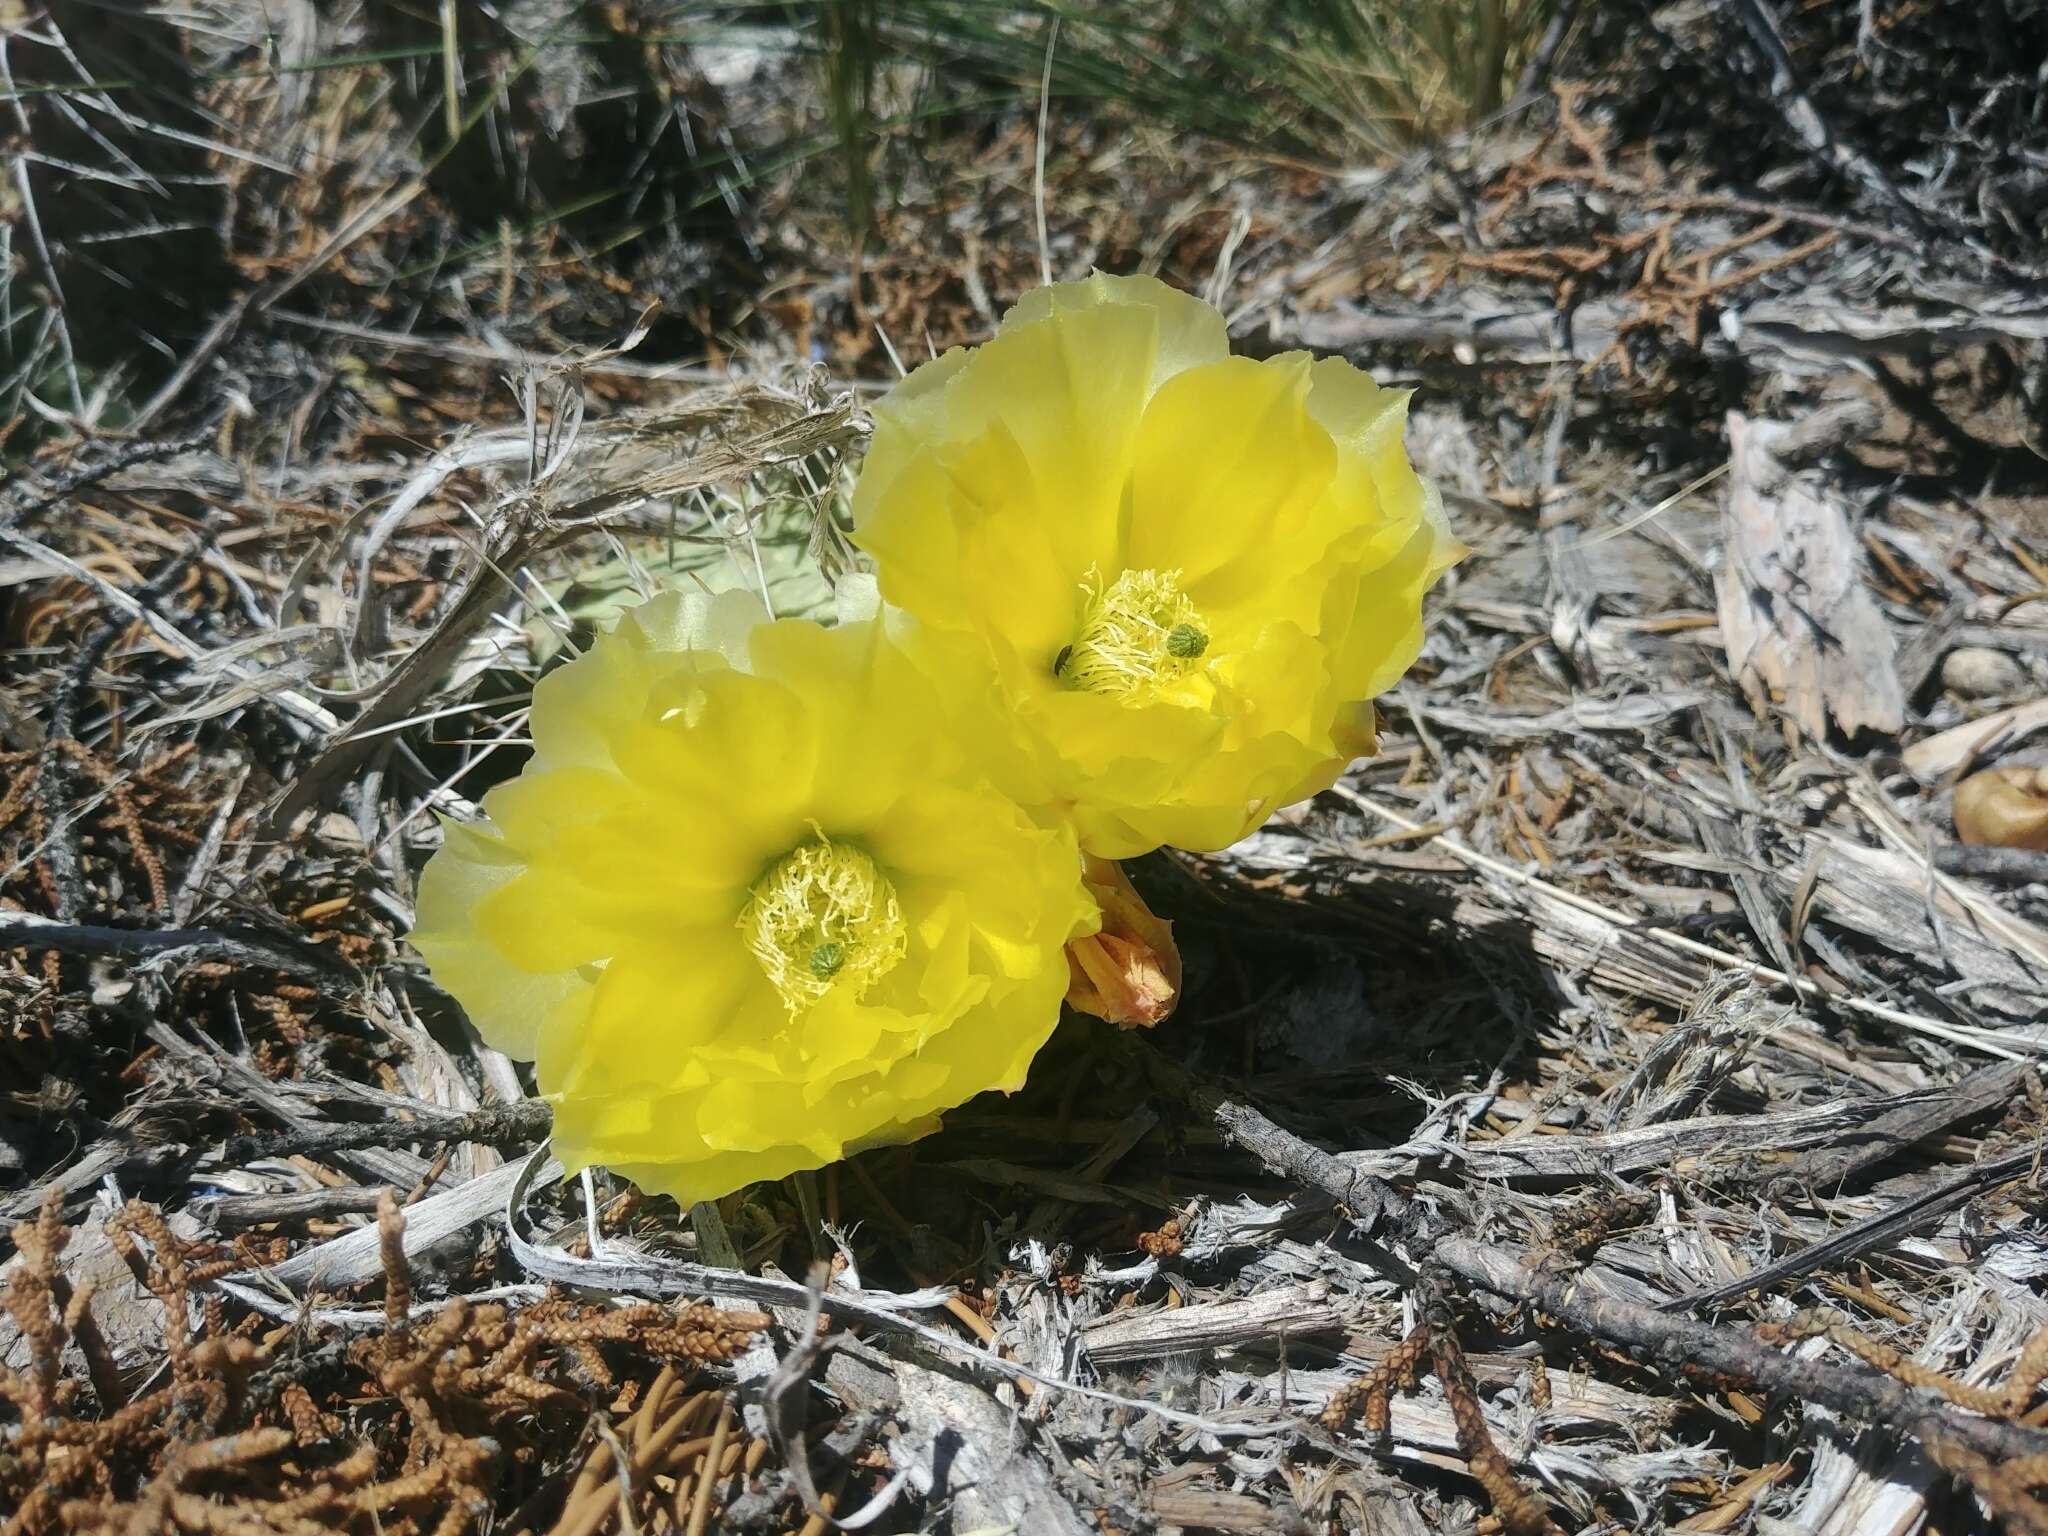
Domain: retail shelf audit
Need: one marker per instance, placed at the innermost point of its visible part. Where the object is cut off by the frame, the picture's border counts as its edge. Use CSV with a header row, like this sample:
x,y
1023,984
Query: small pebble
x,y
1978,672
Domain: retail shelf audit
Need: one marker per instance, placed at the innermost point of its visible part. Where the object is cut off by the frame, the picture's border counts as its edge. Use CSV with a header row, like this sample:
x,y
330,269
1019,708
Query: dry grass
x,y
1615,996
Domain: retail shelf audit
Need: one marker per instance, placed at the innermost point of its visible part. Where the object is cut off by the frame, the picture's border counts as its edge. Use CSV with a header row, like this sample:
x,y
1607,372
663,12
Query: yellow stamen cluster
x,y
1138,633
824,917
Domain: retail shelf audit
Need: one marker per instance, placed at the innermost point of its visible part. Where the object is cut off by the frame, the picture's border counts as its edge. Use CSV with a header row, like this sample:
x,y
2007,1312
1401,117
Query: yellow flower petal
x,y
1189,332
507,1004
1050,426
1228,466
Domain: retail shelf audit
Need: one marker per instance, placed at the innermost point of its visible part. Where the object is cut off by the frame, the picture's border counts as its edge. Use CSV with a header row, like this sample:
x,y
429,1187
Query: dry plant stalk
x,y
2008,1487
239,1439
2007,1402
1370,1397
1521,1512
1586,1224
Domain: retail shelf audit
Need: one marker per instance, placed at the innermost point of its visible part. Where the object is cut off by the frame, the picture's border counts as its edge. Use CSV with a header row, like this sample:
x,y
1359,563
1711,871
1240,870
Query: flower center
x,y
1138,634
824,917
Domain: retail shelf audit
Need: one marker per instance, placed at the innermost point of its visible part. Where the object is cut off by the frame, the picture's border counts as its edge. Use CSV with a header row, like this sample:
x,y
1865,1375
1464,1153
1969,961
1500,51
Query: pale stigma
x,y
825,916
1138,634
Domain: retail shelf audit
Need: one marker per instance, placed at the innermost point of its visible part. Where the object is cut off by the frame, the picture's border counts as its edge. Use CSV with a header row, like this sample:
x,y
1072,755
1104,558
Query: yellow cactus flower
x,y
1161,582
749,907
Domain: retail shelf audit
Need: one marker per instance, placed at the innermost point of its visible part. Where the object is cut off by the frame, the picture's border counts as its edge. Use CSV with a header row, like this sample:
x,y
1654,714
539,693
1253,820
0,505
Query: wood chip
x,y
1797,621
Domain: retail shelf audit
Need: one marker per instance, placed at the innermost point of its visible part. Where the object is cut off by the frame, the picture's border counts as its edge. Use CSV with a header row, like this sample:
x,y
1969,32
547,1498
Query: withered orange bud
x,y
1129,972
2002,808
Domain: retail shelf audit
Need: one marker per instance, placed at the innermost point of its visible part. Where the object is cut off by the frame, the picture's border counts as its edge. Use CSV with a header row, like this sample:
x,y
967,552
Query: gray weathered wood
x,y
959,1445
1797,620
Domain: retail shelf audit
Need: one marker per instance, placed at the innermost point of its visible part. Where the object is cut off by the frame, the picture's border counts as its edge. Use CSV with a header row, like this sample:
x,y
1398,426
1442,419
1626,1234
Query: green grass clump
x,y
1322,80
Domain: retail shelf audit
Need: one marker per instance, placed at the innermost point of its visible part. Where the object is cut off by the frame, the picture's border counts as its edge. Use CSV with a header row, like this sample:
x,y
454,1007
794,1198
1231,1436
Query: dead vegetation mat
x,y
1614,1107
